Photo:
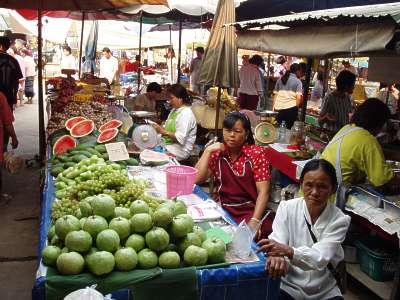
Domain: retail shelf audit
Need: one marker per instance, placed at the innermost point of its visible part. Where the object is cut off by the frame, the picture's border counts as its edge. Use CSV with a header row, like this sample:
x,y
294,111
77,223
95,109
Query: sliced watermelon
x,y
110,124
83,128
63,144
72,121
107,135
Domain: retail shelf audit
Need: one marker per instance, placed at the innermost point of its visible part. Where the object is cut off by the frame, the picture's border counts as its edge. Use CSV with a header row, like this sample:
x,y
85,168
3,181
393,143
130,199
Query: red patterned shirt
x,y
256,155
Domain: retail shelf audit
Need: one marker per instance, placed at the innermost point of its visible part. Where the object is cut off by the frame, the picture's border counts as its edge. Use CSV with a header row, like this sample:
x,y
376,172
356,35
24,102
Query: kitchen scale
x,y
143,137
265,132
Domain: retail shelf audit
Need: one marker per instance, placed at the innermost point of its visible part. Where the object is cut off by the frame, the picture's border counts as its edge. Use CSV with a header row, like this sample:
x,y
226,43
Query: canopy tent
x,y
10,20
76,15
175,26
351,30
73,5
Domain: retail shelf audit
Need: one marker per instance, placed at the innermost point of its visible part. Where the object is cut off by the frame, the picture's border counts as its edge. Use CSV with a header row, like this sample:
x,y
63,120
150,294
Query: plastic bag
x,y
12,162
242,240
88,293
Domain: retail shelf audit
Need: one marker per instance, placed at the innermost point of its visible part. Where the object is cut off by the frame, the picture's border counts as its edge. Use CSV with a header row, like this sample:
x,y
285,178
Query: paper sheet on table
x,y
281,147
208,210
376,216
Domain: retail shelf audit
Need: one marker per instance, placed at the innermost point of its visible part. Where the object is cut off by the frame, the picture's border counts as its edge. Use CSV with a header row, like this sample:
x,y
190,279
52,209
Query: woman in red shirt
x,y
242,173
6,126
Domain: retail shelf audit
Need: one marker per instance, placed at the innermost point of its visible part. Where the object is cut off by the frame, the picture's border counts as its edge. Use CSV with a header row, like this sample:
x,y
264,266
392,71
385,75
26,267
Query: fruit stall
x,y
109,223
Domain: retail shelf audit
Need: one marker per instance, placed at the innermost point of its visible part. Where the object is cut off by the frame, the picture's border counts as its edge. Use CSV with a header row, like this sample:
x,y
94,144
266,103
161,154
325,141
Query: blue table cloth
x,y
238,281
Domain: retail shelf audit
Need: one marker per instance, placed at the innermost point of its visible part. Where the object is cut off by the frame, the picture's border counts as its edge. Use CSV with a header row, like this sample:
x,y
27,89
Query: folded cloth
x,y
58,286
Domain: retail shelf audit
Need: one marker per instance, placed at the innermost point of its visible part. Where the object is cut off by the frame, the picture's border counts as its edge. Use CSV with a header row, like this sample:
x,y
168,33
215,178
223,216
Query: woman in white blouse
x,y
292,252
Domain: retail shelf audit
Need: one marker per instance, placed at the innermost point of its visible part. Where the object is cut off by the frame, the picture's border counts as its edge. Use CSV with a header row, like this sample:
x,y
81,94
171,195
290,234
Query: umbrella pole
x,y
81,45
42,138
179,51
170,47
305,90
140,51
217,107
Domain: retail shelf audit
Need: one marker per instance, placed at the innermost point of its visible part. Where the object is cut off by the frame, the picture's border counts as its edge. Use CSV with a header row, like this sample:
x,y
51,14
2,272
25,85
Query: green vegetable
x,y
78,157
93,151
69,164
100,148
132,162
105,156
56,170
64,158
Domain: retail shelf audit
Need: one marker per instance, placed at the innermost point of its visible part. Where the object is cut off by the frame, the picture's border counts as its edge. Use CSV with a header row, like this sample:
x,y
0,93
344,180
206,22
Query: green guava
x,y
70,263
94,225
157,239
100,263
195,256
147,259
108,240
136,242
125,259
50,255
66,224
141,223
79,241
169,260
122,226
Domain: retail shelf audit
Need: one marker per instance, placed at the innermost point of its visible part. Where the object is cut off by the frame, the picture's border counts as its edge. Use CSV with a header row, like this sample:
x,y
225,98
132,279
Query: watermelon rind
x,y
107,135
73,121
114,123
59,149
79,125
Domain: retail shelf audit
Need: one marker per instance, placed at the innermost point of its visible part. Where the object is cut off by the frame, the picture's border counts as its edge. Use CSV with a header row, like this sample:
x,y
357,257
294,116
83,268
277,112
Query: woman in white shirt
x,y
291,249
68,61
180,128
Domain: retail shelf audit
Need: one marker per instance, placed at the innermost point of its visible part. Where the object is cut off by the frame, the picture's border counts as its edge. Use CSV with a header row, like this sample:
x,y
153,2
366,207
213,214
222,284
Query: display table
x,y
237,281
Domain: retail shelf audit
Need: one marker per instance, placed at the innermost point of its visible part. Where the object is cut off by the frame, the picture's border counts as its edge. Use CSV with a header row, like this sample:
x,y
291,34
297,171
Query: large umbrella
x,y
89,66
220,65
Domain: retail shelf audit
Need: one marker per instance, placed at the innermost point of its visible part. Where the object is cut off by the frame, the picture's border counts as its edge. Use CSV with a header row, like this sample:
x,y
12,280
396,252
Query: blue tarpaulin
x,y
89,65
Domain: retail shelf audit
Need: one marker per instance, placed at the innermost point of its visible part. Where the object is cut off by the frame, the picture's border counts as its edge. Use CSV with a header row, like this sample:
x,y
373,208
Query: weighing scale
x,y
265,132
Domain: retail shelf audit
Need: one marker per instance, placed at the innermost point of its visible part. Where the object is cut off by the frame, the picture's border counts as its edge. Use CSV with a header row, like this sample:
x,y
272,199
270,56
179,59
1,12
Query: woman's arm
x,y
163,132
14,141
261,203
204,171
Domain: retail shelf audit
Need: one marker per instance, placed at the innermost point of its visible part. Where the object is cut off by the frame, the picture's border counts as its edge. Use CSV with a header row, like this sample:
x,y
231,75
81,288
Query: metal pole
x,y
81,45
170,47
179,51
140,51
42,138
305,89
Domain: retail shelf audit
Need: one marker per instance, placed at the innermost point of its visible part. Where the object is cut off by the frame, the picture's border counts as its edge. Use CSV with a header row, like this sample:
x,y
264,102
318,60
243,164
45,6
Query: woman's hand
x,y
273,248
14,142
255,227
158,128
276,266
215,147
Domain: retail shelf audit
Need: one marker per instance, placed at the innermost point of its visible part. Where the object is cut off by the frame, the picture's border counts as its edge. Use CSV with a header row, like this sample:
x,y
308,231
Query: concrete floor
x,y
20,219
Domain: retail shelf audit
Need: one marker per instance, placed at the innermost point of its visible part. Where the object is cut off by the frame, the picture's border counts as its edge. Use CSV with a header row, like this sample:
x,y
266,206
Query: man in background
x,y
195,69
108,65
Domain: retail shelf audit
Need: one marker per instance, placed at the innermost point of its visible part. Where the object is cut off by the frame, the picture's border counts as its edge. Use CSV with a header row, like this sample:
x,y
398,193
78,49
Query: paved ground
x,y
20,219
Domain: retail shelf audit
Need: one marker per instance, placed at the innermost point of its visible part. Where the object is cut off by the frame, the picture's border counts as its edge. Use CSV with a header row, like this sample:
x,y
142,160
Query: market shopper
x,y
108,65
180,129
360,156
337,106
194,70
390,95
146,101
318,90
250,88
288,95
305,244
30,73
241,171
21,86
68,61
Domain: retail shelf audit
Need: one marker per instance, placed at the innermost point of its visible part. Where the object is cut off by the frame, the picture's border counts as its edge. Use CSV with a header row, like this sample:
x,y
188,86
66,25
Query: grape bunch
x,y
114,180
129,193
63,207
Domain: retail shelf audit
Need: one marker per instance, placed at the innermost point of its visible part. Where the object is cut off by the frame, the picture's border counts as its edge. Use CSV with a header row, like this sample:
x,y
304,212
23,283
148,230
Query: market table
x,y
282,162
236,281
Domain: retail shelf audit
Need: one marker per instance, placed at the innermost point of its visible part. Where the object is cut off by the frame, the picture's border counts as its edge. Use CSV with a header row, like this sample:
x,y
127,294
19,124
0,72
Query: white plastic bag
x,y
242,240
88,293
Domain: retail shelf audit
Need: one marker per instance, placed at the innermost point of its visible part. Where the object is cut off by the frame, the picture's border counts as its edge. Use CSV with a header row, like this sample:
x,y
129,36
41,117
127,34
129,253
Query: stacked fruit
x,y
109,238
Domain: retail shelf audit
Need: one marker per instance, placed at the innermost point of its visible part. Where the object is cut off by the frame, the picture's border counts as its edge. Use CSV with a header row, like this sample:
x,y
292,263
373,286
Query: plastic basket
x,y
180,180
378,265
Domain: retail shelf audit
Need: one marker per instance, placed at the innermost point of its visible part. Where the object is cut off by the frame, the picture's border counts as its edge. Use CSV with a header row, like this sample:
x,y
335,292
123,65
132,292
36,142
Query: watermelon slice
x,y
72,121
110,124
83,128
63,144
107,135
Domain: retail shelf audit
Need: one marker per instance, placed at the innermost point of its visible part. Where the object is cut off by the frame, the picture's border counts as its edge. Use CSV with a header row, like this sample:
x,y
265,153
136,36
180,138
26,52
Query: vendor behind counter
x,y
356,153
146,101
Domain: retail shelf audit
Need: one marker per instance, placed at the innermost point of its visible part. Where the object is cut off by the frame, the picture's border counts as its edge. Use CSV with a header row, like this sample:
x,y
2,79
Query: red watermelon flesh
x,y
63,144
107,135
72,121
83,128
110,124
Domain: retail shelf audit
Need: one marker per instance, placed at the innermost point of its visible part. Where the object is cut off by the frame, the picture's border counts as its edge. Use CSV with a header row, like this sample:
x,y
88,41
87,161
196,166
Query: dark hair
x,y
231,119
371,115
325,166
302,67
199,49
281,60
345,80
137,57
293,69
67,48
320,76
180,91
5,42
256,60
154,87
106,49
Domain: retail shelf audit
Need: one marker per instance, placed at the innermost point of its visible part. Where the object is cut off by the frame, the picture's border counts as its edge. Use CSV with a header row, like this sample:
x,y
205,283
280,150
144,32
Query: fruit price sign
x,y
117,151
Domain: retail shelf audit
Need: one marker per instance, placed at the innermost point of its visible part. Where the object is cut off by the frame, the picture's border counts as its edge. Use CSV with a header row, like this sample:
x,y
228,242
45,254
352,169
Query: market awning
x,y
337,16
81,5
76,15
319,40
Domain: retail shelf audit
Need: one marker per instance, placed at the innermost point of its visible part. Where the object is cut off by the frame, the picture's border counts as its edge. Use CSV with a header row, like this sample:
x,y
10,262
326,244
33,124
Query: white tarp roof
x,y
189,7
319,40
15,22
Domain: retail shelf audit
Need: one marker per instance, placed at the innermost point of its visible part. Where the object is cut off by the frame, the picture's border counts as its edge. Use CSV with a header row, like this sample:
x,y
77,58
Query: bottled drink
x,y
282,132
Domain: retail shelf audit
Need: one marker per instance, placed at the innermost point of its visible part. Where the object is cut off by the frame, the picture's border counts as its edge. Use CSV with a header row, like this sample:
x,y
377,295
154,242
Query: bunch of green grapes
x,y
64,207
106,169
113,193
114,180
153,202
130,192
93,187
